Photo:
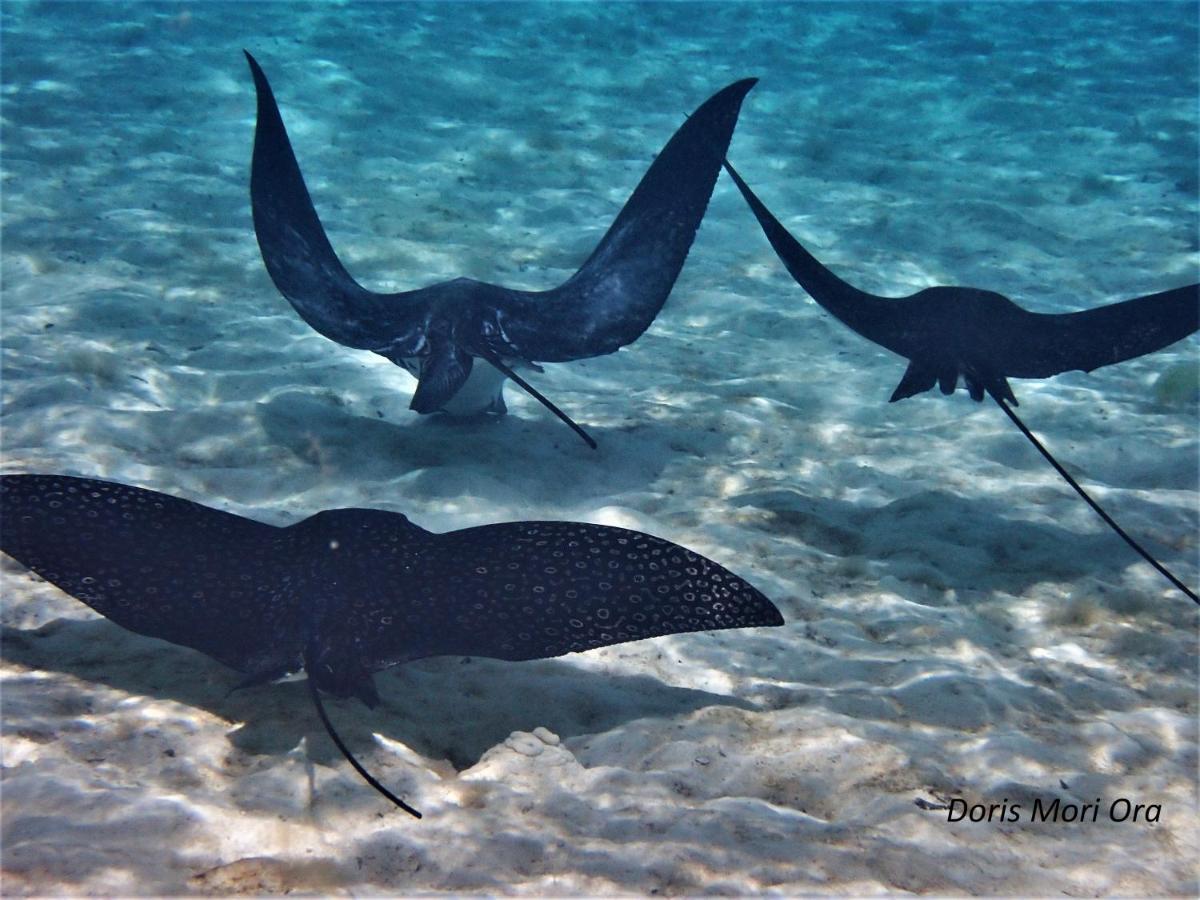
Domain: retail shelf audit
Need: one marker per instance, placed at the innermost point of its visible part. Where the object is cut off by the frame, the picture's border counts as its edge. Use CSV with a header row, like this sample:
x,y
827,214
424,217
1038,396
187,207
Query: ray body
x,y
979,336
983,338
437,332
346,593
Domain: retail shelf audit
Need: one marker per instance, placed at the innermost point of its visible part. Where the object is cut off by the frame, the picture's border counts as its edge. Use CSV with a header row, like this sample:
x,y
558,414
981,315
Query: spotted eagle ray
x,y
437,332
984,338
346,593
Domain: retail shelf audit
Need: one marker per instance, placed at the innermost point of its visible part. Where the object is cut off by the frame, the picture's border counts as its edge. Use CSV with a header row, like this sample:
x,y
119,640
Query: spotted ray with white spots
x,y
346,593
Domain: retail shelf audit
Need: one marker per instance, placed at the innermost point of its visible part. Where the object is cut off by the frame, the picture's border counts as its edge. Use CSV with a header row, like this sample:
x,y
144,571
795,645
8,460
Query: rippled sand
x,y
959,624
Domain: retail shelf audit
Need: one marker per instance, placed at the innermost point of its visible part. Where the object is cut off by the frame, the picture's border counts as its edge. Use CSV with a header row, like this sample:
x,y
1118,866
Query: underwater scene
x,y
435,350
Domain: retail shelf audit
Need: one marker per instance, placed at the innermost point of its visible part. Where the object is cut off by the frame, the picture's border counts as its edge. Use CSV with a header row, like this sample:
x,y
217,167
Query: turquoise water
x,y
959,623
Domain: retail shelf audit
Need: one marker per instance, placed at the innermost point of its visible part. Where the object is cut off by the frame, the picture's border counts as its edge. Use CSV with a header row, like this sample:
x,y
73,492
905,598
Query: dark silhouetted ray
x,y
984,338
437,332
349,592
981,336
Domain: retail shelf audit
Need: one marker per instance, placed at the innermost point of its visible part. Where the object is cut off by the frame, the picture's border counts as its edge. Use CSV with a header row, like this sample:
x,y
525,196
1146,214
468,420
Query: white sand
x,y
959,624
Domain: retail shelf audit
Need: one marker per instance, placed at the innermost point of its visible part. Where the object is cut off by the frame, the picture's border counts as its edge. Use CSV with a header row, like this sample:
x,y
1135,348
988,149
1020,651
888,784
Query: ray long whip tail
x,y
540,397
367,776
1093,504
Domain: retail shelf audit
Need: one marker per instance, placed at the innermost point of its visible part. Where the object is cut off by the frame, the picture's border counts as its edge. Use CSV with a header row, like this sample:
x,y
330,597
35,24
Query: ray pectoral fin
x,y
160,566
533,590
621,287
296,251
1092,338
875,318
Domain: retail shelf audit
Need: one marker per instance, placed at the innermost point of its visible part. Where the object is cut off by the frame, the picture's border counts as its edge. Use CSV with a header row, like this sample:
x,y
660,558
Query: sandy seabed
x,y
959,625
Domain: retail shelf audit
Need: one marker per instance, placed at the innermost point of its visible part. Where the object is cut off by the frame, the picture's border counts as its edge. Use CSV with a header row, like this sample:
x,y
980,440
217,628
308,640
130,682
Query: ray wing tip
x,y
741,87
